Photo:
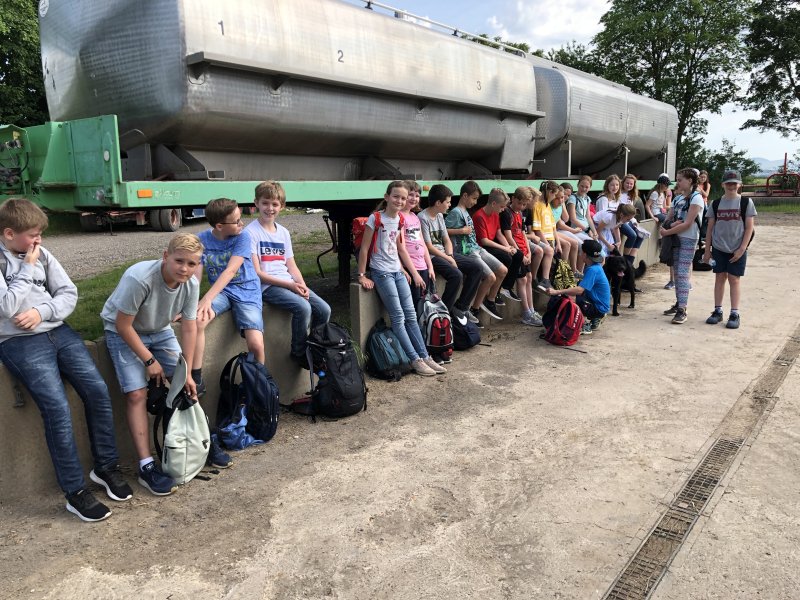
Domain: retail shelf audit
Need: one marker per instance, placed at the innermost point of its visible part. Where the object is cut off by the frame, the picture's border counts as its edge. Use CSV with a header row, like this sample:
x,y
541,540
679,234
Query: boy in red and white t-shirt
x,y
492,241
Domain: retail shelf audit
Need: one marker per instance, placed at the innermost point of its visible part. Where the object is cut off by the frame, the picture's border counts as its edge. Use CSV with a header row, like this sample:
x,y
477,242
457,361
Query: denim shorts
x,y
245,315
130,369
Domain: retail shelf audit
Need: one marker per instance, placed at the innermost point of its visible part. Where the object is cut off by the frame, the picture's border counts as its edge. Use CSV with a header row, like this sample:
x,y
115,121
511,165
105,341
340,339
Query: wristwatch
x,y
149,361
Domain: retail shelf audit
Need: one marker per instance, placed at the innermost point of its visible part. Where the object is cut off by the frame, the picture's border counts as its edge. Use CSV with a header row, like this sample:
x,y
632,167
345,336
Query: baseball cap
x,y
731,177
663,179
593,249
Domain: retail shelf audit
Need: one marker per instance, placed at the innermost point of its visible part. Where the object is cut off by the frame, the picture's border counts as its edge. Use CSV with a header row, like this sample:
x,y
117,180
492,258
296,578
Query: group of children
x,y
496,254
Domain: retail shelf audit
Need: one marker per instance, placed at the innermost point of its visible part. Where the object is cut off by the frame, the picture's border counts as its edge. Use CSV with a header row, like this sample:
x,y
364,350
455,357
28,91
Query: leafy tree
x,y
21,82
773,48
577,56
727,158
484,40
686,52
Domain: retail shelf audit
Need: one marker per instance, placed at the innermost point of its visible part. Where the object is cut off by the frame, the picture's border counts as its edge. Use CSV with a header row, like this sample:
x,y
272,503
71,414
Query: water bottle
x,y
712,262
321,374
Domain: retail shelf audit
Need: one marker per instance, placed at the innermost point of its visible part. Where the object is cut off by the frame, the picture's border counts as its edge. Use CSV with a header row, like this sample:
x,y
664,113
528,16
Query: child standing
x,y
729,233
389,256
282,283
512,226
38,348
142,344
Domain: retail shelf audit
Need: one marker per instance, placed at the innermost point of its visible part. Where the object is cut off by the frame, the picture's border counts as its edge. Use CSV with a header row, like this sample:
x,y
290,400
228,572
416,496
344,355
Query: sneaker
x,y
527,320
671,310
87,507
511,295
111,479
578,275
151,477
670,285
586,329
436,367
498,300
421,368
680,316
544,285
595,323
472,316
217,457
490,309
715,317
536,319
733,321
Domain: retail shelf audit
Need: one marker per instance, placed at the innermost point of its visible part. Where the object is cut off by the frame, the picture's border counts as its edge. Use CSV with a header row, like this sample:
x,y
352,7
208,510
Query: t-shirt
x,y
595,287
557,212
624,199
680,207
581,209
512,221
414,241
458,218
486,226
385,257
605,203
608,218
729,226
143,292
657,200
433,229
542,220
272,250
244,286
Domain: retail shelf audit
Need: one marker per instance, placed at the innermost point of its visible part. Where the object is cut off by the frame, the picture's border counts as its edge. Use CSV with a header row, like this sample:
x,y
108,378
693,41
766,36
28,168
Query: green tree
x,y
773,49
578,56
686,52
21,82
484,40
727,158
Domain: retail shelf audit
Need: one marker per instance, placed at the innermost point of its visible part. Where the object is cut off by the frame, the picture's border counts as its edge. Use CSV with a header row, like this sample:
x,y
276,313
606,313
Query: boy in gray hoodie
x,y
38,348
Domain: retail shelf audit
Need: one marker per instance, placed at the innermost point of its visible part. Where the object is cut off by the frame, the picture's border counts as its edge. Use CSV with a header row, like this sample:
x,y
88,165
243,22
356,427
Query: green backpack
x,y
563,276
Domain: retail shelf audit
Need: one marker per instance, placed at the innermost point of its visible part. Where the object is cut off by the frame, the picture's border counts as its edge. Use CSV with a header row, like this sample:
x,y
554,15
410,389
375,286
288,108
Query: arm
x,y
124,324
405,260
648,207
15,292
363,257
709,239
573,291
749,226
204,308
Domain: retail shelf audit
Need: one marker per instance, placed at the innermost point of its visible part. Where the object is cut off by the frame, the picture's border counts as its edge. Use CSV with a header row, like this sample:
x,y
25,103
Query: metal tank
x,y
317,89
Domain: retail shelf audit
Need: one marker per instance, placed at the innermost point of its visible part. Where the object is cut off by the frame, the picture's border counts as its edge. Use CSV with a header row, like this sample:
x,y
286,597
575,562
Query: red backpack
x,y
360,223
562,321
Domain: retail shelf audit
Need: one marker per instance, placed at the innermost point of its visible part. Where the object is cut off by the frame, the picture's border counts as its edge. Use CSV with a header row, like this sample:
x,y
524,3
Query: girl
x,y
609,199
608,223
534,241
544,227
415,245
687,207
569,244
704,186
387,260
657,198
633,241
578,209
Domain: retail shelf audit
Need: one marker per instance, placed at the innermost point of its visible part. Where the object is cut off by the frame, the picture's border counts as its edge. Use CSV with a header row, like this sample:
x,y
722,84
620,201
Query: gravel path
x,y
86,254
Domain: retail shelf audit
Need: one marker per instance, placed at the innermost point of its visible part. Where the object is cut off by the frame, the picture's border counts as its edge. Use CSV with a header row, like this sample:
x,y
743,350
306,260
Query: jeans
x,y
416,293
312,312
632,239
453,279
395,294
38,361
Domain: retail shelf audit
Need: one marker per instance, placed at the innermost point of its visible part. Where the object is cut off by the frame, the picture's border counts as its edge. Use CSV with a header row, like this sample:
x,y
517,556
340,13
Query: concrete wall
x,y
28,469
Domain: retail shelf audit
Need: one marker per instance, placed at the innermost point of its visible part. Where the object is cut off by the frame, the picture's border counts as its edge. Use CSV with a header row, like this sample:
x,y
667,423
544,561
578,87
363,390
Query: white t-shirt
x,y
624,199
605,203
658,203
272,250
608,218
385,257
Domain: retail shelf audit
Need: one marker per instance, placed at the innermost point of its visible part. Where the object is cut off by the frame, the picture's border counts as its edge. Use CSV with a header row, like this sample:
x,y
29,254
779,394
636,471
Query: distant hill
x,y
768,166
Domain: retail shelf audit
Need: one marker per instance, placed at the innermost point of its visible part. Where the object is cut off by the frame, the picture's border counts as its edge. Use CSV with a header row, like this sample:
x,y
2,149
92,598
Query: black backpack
x,y
340,390
256,392
743,204
465,334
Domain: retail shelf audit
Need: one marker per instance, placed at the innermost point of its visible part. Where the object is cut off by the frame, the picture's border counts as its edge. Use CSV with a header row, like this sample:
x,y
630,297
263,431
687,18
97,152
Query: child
x,y
227,257
459,270
609,198
415,245
534,241
282,284
38,349
511,224
543,225
657,198
143,346
492,241
461,229
386,269
608,223
729,232
593,295
569,244
633,241
579,216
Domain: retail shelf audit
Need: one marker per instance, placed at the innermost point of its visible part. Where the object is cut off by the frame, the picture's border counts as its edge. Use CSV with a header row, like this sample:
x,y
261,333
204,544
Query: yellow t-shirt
x,y
543,221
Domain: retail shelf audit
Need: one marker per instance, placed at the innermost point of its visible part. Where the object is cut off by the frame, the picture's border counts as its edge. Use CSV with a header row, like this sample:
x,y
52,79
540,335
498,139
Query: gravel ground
x,y
86,254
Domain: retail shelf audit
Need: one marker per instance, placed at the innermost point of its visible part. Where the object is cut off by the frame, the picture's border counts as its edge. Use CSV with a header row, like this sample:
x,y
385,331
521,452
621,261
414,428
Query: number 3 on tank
x,y
479,86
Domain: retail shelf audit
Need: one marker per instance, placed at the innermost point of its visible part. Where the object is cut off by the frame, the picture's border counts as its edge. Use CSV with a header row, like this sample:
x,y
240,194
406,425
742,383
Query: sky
x,y
548,25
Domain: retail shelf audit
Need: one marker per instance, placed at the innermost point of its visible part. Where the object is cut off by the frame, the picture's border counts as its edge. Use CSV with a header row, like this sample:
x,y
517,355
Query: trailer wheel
x,y
91,223
154,216
170,219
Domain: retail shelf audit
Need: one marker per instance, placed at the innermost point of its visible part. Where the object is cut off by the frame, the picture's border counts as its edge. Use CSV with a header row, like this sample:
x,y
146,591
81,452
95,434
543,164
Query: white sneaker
x,y
434,365
471,317
421,368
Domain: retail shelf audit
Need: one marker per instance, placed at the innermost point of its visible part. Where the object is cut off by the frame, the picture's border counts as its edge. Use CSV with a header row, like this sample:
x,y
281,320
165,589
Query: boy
x,y
491,239
282,284
462,230
141,343
455,268
227,257
729,232
593,295
38,348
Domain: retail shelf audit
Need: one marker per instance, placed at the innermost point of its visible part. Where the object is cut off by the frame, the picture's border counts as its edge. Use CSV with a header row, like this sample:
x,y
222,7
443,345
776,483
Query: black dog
x,y
621,275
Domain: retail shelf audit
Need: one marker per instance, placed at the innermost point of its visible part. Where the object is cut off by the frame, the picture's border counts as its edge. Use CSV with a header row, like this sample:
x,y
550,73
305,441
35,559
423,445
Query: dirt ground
x,y
528,471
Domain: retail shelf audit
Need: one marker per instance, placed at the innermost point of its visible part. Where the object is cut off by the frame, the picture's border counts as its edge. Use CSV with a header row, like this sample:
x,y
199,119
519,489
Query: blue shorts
x,y
724,264
246,316
130,369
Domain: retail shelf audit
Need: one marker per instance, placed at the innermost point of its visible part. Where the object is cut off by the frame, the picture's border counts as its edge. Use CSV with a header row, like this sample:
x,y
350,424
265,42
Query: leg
x,y
320,310
416,293
301,315
472,269
547,260
683,270
453,279
536,259
387,287
200,343
499,270
719,288
410,316
734,282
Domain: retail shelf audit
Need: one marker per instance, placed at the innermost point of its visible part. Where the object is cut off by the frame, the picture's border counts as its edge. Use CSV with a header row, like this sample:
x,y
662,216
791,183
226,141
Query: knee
x,y
136,397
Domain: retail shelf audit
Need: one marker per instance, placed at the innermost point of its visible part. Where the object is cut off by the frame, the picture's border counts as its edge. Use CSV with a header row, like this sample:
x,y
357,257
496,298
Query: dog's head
x,y
616,265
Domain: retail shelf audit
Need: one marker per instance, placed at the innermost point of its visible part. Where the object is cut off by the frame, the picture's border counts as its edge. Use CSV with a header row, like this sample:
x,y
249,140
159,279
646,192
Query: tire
x,y
154,216
90,223
170,219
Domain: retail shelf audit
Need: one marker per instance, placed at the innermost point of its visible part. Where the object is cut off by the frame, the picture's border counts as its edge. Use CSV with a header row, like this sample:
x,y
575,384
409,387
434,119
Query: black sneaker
x,y
475,320
217,457
733,321
716,317
159,484
490,309
87,507
671,310
680,316
498,300
111,479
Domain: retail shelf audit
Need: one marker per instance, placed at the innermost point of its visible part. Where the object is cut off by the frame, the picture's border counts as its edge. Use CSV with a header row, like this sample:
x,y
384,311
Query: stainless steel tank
x,y
246,82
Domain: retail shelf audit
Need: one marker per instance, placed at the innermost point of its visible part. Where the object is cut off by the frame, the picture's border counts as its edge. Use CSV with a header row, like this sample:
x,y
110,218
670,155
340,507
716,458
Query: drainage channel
x,y
639,578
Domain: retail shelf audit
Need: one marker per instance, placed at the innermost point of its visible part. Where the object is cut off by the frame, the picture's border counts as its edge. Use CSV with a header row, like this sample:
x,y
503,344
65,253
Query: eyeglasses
x,y
239,222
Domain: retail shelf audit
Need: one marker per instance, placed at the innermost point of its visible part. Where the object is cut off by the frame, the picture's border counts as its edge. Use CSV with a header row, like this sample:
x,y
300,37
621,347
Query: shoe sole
x,y
679,321
144,484
431,374
77,513
94,477
490,313
216,466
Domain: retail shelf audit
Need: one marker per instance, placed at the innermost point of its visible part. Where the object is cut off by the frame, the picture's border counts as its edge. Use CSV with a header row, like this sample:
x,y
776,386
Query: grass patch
x,y
792,208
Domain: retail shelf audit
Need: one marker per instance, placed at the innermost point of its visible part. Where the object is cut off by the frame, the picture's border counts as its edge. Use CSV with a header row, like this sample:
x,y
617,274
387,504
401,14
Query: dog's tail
x,y
640,270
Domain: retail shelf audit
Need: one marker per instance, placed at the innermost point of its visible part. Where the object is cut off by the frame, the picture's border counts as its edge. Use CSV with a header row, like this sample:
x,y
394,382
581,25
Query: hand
x,y
407,276
738,254
452,261
32,255
551,292
28,319
526,260
706,256
155,371
664,232
366,282
431,276
418,281
510,250
204,311
300,289
466,230
191,388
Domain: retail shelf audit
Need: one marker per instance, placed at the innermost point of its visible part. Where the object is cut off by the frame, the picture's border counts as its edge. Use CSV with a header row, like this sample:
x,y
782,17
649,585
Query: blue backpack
x,y
386,358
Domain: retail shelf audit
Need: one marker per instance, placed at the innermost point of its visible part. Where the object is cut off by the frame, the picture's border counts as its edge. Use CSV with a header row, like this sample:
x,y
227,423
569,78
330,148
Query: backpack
x,y
435,324
561,275
340,390
386,358
743,204
42,261
358,226
562,321
256,392
466,334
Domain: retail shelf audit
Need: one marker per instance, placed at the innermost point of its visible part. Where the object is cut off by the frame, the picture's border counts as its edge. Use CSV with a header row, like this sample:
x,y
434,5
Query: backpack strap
x,y
42,261
373,241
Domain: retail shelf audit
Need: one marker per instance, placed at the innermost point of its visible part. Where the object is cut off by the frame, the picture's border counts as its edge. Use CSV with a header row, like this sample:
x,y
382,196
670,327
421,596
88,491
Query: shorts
x,y
724,264
490,263
130,369
523,271
245,315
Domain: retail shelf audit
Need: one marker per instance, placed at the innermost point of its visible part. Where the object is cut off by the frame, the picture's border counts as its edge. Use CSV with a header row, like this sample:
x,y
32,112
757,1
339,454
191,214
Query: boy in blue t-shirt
x,y
593,295
234,283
